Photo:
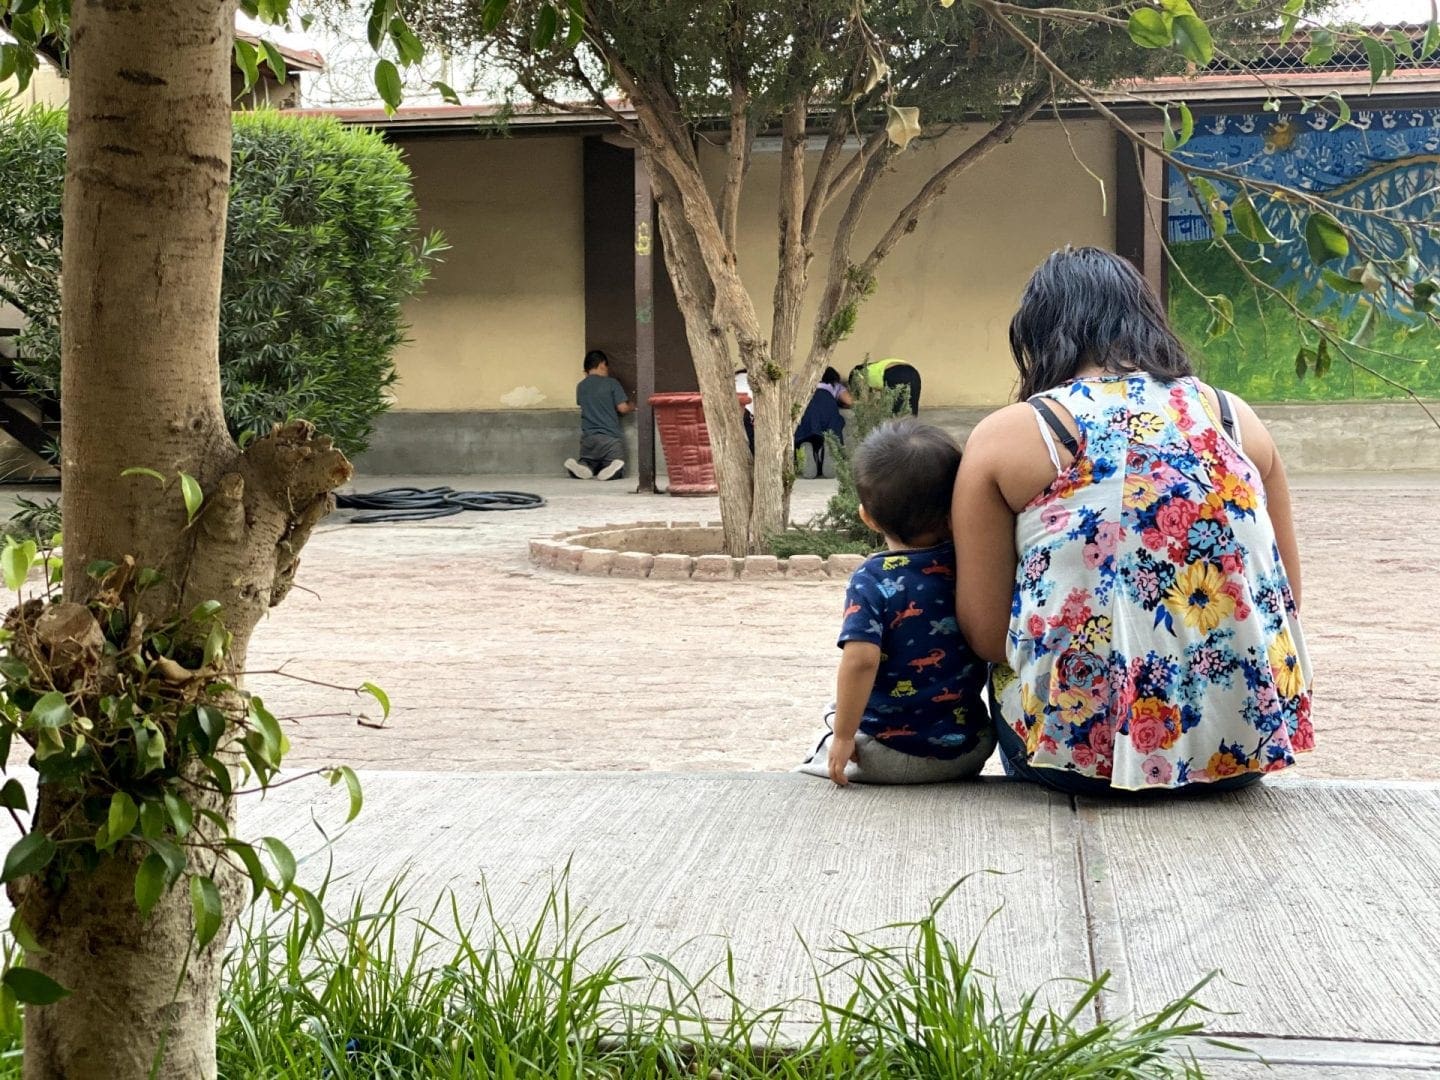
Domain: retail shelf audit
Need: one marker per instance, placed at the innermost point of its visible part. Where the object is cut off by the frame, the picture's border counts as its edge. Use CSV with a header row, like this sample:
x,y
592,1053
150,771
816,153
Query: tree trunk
x,y
145,201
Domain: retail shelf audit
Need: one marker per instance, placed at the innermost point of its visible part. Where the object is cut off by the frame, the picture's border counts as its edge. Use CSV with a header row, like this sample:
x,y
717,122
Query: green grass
x,y
1257,360
394,992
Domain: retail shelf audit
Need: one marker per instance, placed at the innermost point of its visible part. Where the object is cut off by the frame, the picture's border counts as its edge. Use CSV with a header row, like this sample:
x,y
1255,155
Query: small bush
x,y
822,542
321,251
839,530
38,521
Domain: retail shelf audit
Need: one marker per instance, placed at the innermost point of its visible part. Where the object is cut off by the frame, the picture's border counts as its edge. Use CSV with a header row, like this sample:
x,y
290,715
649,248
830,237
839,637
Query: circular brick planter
x,y
676,551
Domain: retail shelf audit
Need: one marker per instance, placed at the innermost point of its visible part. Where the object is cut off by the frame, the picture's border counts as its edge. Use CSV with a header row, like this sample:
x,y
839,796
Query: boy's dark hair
x,y
905,477
1087,305
593,359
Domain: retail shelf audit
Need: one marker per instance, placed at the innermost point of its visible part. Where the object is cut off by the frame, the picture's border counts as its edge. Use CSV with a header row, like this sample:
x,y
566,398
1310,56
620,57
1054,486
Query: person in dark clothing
x,y
888,374
822,416
602,402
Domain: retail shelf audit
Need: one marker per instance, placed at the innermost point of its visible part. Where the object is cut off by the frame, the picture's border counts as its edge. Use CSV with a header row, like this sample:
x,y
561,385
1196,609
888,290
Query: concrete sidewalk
x,y
1320,901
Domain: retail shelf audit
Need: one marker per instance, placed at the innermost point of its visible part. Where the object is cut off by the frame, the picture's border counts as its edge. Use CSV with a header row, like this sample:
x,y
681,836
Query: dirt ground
x,y
493,664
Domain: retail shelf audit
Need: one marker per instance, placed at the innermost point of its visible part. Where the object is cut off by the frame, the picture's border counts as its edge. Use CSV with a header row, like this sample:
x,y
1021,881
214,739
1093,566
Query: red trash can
x,y
686,439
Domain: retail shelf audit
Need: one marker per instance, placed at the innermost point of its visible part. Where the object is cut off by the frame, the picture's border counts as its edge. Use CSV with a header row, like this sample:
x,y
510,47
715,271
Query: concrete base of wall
x,y
1346,436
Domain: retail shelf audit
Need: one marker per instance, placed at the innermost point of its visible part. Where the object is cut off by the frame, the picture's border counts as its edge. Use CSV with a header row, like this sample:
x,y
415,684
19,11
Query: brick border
x,y
575,552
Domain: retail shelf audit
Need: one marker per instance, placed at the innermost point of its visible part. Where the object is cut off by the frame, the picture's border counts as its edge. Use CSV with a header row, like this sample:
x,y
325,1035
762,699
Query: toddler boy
x,y
908,698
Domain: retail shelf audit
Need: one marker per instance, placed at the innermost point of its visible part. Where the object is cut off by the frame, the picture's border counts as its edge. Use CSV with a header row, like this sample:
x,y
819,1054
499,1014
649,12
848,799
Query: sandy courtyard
x,y
493,664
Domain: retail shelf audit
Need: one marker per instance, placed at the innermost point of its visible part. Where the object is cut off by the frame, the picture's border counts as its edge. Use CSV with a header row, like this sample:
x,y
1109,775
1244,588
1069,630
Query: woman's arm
x,y
984,528
1260,448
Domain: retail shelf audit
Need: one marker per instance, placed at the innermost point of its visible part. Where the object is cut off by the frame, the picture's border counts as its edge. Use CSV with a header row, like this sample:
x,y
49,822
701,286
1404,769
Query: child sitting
x,y
908,706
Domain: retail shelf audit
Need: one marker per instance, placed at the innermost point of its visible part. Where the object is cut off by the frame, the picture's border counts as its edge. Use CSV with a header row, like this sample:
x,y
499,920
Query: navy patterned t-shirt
x,y
927,697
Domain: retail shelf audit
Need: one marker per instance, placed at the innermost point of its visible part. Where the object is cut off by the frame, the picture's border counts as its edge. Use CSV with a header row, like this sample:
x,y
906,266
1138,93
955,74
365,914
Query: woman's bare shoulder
x,y
999,430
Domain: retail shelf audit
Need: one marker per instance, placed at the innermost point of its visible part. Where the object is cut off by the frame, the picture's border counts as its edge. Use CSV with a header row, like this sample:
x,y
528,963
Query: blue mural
x,y
1383,160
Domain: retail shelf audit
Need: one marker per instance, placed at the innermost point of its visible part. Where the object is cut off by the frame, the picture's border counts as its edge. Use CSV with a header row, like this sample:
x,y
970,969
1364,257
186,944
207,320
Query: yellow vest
x,y
875,370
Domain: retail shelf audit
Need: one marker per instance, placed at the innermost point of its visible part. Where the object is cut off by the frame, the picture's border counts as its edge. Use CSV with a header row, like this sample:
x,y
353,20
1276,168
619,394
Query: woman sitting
x,y
1126,546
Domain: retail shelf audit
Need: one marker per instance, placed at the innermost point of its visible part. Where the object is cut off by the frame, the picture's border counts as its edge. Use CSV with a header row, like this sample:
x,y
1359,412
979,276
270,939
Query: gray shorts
x,y
598,450
878,764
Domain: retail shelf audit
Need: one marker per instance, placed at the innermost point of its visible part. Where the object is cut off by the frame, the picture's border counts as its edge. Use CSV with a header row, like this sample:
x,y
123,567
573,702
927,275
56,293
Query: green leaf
x,y
136,470
1431,41
30,854
12,796
254,868
217,643
122,817
1151,29
99,569
1303,359
1222,317
269,729
1212,203
492,14
1341,284
1292,11
15,562
1248,221
153,818
284,860
212,724
191,493
220,774
545,27
407,45
147,577
32,987
1187,125
313,910
149,883
381,12
205,902
173,856
23,937
181,815
51,711
274,61
447,94
1325,238
208,610
1343,113
1322,48
1322,359
9,60
1423,294
576,24
247,59
1192,38
387,85
357,797
1381,57
380,696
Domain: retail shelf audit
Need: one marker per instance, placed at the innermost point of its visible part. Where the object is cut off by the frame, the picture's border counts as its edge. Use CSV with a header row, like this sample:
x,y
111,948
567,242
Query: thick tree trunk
x,y
145,202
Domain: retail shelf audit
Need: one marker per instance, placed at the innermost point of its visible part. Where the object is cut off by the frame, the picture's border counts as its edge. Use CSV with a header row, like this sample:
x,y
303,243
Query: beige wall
x,y
501,323
46,87
947,292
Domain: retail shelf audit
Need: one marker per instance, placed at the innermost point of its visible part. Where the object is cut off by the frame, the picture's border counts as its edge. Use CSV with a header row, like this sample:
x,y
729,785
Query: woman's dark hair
x,y
593,359
831,377
905,476
1087,305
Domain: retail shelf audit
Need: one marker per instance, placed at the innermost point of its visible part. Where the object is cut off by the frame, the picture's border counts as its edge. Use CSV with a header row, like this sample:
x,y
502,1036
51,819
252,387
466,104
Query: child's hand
x,y
842,752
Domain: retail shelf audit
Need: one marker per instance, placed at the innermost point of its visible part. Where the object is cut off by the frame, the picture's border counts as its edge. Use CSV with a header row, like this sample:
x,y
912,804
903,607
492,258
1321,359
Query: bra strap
x,y
1067,440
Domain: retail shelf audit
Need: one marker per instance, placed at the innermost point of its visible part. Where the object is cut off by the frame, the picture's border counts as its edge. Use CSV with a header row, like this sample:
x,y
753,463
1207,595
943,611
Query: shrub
x,y
321,251
839,529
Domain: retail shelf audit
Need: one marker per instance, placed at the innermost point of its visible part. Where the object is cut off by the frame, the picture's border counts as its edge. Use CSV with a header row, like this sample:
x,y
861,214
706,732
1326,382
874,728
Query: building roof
x,y
1222,85
295,59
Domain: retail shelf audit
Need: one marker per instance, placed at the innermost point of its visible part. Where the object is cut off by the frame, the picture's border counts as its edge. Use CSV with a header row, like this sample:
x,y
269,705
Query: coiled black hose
x,y
425,504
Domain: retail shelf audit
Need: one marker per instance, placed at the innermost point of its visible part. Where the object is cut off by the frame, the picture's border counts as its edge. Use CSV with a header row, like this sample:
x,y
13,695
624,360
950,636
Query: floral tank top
x,y
1153,637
